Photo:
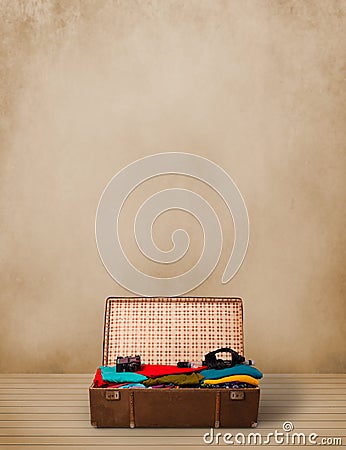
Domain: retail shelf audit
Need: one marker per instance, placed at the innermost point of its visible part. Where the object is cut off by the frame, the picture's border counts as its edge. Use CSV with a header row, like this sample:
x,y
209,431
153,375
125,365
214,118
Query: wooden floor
x,y
52,412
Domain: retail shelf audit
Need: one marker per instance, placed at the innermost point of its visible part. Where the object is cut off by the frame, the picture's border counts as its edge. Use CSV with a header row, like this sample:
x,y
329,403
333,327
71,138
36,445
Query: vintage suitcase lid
x,y
168,330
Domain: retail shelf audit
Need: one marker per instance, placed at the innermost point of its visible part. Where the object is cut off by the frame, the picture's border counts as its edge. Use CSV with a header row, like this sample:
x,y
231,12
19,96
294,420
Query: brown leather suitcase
x,y
165,331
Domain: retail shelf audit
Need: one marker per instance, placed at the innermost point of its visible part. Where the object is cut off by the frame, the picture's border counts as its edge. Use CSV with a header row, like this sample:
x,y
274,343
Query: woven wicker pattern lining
x,y
168,330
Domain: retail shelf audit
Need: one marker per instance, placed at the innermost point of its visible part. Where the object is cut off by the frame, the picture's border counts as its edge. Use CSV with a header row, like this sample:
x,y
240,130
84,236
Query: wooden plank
x,y
272,404
286,389
302,416
55,385
44,409
54,413
81,383
147,433
306,375
83,406
306,410
45,397
79,401
141,441
84,394
35,384
87,381
85,424
131,446
44,416
14,423
263,424
67,404
88,375
85,376
292,387
303,381
42,390
105,440
304,395
303,403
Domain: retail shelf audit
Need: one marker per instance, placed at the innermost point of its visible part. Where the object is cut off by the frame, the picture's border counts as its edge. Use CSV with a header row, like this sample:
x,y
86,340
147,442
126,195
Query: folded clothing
x,y
240,375
159,370
240,378
132,385
238,369
177,379
109,373
162,386
229,385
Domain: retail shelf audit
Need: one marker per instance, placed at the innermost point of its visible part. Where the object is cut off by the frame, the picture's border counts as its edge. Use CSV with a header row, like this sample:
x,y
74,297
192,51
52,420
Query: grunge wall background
x,y
88,87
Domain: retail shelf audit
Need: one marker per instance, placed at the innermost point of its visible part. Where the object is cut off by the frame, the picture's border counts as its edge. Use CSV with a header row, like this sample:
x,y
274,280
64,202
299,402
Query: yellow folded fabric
x,y
241,378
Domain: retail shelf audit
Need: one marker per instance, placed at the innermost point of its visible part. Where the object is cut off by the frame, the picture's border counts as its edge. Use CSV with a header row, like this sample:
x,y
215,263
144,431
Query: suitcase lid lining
x,y
168,330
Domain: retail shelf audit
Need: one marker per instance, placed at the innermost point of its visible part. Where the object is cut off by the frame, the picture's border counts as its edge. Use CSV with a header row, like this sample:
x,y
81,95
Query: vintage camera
x,y
128,363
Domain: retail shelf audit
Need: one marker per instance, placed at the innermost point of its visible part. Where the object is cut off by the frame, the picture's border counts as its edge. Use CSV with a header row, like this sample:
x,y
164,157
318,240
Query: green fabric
x,y
178,379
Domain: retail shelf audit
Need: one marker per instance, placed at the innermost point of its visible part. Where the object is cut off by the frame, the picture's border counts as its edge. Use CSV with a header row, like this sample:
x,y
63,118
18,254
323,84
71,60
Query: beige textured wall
x,y
90,86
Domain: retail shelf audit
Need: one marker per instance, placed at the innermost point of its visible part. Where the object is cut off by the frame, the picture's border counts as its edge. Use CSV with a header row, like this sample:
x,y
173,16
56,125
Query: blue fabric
x,y
238,369
109,373
132,385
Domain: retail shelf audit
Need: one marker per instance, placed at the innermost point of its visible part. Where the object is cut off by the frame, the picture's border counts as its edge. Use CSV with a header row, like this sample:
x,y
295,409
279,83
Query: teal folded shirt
x,y
109,373
239,369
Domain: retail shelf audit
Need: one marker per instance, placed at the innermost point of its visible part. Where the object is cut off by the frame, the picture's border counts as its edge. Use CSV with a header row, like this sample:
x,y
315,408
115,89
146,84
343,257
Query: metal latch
x,y
237,395
112,395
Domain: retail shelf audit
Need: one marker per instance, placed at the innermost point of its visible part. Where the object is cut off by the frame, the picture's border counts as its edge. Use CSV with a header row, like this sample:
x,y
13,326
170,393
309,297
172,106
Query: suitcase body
x,y
165,331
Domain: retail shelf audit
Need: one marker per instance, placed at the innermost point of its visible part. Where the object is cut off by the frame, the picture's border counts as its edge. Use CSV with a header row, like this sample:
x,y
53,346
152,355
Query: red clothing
x,y
159,370
99,381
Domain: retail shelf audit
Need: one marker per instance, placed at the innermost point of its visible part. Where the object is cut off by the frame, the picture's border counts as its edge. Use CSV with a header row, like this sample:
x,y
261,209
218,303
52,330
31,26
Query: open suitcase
x,y
165,331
